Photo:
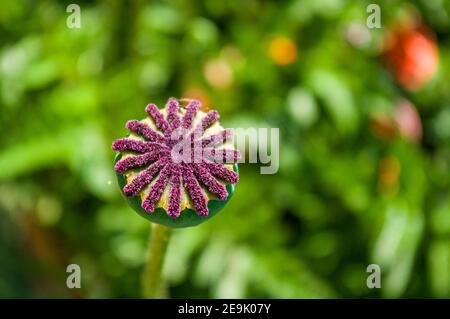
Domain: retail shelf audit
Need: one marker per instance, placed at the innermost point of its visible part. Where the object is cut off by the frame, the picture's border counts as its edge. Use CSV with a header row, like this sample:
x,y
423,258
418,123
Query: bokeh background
x,y
364,118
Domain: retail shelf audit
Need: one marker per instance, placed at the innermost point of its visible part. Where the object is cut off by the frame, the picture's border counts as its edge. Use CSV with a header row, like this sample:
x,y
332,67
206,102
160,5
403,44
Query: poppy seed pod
x,y
177,167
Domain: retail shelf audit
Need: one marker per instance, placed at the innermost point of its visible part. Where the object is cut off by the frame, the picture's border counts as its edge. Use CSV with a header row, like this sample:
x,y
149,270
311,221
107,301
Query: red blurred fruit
x,y
412,55
383,126
404,122
408,121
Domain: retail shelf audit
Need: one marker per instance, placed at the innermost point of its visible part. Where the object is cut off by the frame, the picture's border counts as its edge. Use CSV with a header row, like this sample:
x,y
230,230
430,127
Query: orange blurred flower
x,y
218,73
389,173
197,94
382,126
282,51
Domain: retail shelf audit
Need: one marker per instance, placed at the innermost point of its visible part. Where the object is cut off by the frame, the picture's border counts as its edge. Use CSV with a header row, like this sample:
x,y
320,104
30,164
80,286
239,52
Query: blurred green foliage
x,y
342,199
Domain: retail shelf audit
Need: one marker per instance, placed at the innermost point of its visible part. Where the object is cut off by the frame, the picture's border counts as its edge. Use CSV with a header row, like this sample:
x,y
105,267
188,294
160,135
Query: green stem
x,y
151,278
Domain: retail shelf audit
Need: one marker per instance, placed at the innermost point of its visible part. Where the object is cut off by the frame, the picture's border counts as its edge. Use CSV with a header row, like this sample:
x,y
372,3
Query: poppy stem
x,y
151,278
